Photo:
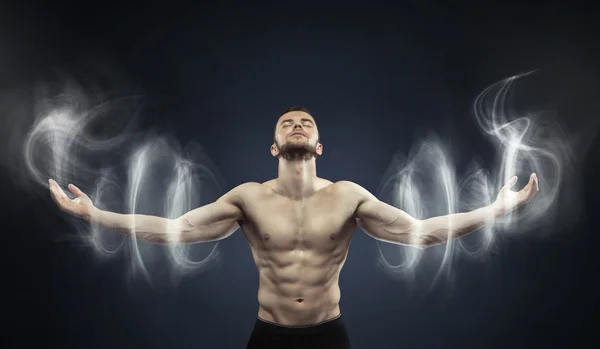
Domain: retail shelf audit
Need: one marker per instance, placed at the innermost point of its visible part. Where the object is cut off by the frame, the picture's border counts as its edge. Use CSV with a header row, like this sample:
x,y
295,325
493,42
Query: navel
x,y
299,300
267,237
332,236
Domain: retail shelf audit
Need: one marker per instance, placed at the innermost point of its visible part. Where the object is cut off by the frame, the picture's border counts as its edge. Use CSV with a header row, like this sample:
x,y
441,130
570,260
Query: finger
x,y
511,182
60,192
58,200
53,190
75,190
529,191
531,183
52,184
53,194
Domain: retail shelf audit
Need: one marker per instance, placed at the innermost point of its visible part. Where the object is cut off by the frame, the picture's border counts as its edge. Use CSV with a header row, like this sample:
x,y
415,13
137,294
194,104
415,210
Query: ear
x,y
274,150
319,149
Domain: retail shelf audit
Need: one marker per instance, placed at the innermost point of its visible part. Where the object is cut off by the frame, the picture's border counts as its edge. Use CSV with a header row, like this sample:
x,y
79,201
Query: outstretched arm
x,y
390,224
211,222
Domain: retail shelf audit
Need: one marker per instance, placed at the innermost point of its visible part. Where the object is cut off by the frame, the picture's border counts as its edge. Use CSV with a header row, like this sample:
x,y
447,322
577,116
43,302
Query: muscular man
x,y
299,227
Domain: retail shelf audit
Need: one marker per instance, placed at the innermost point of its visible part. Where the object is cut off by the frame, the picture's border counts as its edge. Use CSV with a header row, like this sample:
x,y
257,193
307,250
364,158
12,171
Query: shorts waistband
x,y
318,327
302,326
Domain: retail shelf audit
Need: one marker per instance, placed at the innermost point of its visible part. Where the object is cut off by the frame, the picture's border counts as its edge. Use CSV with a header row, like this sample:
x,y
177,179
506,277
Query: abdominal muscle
x,y
304,290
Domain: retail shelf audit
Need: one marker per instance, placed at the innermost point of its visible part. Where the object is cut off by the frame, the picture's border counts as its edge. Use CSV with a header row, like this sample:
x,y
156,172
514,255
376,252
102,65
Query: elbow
x,y
155,239
420,245
173,232
422,238
427,241
423,245
179,230
417,238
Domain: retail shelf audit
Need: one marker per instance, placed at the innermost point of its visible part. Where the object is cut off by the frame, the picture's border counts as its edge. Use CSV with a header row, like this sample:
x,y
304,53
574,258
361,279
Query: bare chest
x,y
320,222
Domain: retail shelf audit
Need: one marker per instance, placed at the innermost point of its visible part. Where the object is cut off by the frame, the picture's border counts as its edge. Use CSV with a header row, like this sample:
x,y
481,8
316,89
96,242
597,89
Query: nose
x,y
298,125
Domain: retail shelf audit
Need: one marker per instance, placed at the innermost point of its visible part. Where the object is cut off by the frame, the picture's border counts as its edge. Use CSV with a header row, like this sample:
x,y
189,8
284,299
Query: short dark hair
x,y
287,110
295,108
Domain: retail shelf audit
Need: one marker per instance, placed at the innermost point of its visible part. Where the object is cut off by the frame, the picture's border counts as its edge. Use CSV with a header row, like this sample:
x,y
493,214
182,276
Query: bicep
x,y
213,221
379,215
218,211
383,221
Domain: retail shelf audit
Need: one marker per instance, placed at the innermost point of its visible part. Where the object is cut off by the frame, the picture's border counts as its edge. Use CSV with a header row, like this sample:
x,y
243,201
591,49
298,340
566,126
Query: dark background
x,y
375,78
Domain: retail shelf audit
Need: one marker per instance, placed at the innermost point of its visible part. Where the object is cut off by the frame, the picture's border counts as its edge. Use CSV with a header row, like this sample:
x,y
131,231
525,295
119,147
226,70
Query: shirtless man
x,y
299,227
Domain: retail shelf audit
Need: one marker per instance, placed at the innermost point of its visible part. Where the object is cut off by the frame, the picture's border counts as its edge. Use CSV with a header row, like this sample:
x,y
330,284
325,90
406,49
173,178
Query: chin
x,y
294,142
297,150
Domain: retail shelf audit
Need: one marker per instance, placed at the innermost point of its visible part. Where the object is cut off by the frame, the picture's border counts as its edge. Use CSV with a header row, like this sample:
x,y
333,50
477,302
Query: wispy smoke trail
x,y
99,148
425,183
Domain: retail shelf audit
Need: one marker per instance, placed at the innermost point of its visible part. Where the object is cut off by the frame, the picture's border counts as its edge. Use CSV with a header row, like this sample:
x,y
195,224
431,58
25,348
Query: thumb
x,y
511,182
75,190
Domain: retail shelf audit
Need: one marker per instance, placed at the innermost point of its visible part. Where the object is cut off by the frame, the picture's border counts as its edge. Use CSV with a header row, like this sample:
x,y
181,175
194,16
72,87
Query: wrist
x,y
94,215
497,210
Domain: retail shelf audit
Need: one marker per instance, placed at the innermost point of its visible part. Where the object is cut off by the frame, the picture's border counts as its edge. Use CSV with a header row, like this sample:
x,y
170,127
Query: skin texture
x,y
298,226
299,249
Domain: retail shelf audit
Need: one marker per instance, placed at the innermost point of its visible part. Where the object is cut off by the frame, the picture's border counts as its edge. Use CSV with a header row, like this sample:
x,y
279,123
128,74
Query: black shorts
x,y
330,334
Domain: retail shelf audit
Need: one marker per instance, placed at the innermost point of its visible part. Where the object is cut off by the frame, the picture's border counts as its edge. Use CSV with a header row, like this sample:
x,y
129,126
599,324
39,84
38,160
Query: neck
x,y
297,178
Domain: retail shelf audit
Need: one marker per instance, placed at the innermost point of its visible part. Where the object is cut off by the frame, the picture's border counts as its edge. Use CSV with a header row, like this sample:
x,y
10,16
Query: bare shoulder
x,y
323,183
347,186
249,188
270,183
352,189
243,193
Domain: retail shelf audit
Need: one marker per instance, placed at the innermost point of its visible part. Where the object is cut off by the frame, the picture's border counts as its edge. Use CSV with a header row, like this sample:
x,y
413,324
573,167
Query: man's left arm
x,y
387,223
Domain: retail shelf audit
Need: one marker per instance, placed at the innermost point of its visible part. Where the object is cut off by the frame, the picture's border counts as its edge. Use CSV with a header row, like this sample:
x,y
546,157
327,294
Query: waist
x,y
300,307
332,323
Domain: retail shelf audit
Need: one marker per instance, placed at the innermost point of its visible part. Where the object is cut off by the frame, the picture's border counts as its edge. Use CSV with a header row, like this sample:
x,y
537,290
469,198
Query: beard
x,y
292,151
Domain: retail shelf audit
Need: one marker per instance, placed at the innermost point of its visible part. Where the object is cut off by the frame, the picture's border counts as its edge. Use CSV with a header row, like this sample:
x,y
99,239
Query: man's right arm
x,y
210,222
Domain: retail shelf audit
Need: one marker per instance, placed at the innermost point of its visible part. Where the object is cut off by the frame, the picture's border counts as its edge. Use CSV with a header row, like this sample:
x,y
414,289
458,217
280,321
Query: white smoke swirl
x,y
98,148
425,183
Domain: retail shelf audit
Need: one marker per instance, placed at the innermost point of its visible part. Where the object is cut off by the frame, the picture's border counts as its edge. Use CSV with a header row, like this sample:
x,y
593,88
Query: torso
x,y
299,247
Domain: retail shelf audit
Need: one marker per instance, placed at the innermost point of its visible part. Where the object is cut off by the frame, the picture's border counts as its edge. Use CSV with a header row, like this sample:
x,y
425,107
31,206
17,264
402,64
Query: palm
x,y
509,200
80,206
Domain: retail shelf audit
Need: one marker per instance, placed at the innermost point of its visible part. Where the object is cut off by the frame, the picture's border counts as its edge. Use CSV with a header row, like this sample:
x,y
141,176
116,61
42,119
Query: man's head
x,y
296,135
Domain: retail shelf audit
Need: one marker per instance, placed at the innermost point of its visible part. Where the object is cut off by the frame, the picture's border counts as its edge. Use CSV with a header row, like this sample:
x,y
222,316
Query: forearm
x,y
437,230
387,223
149,228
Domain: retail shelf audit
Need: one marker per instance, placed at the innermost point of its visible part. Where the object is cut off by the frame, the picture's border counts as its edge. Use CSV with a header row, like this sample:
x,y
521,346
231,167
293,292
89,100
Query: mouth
x,y
297,134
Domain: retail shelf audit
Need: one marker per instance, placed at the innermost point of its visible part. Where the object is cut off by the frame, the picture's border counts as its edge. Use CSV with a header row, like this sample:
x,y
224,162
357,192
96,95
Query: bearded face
x,y
297,149
296,137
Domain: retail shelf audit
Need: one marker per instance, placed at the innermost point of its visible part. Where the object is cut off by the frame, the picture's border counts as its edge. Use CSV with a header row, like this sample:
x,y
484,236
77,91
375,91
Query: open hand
x,y
81,206
509,200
